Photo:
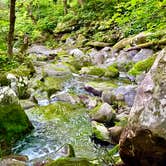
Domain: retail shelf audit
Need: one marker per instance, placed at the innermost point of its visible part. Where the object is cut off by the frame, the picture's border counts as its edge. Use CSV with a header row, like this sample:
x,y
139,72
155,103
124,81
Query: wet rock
x,y
67,97
92,90
90,102
41,50
71,161
26,104
123,93
149,109
14,126
102,113
114,133
142,54
143,142
76,52
100,131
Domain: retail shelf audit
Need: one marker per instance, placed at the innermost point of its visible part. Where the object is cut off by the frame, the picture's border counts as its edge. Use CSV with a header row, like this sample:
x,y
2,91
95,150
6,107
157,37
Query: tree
x,y
11,28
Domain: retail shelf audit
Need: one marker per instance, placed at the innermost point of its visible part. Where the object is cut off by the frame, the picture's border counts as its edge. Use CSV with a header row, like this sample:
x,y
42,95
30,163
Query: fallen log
x,y
146,45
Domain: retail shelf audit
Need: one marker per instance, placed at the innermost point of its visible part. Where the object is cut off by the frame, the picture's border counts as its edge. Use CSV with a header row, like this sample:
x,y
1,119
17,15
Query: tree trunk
x,y
65,6
11,28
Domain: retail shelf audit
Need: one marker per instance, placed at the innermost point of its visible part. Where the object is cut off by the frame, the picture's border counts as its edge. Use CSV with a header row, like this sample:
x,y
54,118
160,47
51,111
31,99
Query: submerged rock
x,y
144,140
13,121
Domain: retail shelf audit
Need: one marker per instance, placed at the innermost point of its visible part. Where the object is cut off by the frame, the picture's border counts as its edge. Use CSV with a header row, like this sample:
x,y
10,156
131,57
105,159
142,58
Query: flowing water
x,y
51,133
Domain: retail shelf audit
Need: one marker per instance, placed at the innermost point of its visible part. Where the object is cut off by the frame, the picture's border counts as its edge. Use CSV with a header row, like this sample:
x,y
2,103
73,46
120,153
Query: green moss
x,y
93,70
13,124
141,66
73,161
112,72
58,110
3,80
21,71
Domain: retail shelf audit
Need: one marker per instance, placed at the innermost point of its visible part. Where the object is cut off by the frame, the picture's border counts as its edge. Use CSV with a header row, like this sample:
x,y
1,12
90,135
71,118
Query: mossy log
x,y
146,45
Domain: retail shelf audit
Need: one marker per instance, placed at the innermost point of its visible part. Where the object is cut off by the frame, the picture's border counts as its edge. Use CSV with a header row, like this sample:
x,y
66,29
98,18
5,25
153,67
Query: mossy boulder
x,y
100,131
71,161
13,121
142,66
102,113
111,72
93,70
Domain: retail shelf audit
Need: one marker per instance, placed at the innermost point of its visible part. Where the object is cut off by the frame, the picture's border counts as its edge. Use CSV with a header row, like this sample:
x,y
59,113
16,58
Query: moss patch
x,y
71,162
141,66
111,71
13,124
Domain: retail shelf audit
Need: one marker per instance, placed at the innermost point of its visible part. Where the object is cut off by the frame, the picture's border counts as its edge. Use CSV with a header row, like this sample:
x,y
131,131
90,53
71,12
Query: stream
x,y
49,136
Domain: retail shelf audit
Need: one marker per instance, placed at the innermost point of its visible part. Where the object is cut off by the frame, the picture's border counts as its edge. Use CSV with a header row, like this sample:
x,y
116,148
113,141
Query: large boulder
x,y
143,142
13,121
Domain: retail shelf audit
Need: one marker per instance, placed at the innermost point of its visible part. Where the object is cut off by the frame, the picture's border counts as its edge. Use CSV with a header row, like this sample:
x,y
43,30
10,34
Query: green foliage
x,y
141,66
7,64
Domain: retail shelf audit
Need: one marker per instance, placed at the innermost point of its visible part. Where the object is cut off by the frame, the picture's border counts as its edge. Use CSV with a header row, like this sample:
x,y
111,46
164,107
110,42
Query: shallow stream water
x,y
50,134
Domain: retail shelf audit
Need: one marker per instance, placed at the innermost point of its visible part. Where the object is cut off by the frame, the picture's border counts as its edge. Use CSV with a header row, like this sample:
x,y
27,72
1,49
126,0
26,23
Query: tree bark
x,y
11,28
65,6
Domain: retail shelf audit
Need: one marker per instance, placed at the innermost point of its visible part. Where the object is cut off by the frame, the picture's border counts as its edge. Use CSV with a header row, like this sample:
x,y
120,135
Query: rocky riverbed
x,y
85,98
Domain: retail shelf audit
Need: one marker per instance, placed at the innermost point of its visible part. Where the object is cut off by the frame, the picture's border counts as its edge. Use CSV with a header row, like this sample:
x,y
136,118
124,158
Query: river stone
x,y
122,93
41,50
146,132
13,120
66,97
100,131
142,55
103,113
76,52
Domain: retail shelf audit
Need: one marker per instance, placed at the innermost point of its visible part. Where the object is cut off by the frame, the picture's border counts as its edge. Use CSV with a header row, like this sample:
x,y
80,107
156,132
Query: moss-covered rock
x,y
111,72
71,161
93,70
142,66
13,120
102,113
100,131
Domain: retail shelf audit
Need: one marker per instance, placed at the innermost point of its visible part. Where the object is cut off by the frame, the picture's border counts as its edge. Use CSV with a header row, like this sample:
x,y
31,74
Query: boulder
x,y
121,94
102,113
66,97
142,54
13,121
100,131
143,142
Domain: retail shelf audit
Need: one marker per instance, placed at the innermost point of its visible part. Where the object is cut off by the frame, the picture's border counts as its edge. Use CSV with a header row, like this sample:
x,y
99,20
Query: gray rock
x,y
66,97
41,50
122,93
104,113
143,54
76,52
149,109
100,131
